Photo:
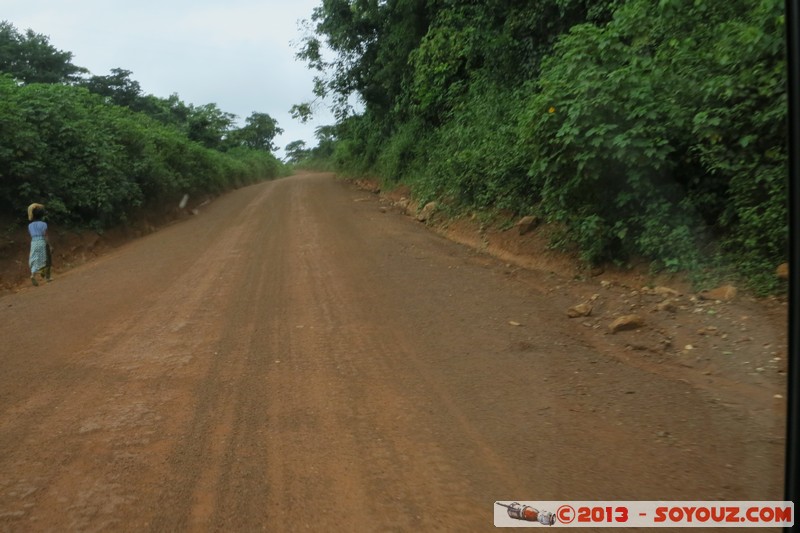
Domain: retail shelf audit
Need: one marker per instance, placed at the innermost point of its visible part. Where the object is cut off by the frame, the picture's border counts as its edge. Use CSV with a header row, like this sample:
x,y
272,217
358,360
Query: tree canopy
x,y
642,128
30,58
259,131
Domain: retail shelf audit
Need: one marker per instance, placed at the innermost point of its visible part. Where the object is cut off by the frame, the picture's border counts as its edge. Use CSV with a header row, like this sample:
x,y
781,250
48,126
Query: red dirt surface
x,y
301,356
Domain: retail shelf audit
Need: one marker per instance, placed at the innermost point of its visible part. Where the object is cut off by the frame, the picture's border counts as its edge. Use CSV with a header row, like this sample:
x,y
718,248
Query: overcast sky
x,y
237,54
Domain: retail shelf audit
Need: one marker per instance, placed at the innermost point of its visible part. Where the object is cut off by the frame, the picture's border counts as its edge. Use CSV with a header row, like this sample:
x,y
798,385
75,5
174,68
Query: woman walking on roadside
x,y
39,259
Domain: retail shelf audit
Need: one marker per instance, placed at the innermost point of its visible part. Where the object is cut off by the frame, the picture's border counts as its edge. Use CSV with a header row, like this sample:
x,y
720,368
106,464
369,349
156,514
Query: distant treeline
x,y
95,148
643,128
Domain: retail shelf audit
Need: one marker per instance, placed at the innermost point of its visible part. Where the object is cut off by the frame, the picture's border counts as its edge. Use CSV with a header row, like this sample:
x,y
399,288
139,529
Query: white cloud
x,y
243,24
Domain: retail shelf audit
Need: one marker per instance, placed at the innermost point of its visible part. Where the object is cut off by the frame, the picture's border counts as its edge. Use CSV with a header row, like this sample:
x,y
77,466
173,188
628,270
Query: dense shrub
x,y
92,162
650,135
644,128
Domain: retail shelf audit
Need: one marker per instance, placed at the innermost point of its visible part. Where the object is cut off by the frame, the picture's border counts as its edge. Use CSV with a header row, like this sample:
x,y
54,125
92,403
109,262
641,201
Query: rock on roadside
x,y
576,311
782,272
426,212
668,306
726,293
527,224
626,322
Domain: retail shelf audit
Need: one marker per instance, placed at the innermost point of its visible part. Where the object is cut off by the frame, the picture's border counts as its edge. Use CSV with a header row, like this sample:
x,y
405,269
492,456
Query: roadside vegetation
x,y
643,128
95,149
318,158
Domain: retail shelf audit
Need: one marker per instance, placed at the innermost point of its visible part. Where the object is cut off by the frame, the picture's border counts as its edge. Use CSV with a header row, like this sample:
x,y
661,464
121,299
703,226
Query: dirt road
x,y
293,358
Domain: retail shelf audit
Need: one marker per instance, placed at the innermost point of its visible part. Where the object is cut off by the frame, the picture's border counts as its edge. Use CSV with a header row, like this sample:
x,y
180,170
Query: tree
x,y
31,58
372,41
118,88
258,132
326,142
171,110
302,112
646,129
209,125
296,151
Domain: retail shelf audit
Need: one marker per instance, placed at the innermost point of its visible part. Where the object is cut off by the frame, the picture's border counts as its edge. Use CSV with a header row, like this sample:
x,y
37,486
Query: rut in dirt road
x,y
294,358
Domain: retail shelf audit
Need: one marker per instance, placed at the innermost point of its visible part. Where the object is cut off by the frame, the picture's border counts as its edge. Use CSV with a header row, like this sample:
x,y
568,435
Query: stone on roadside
x,y
597,271
666,291
528,223
660,291
426,212
626,322
668,306
576,311
725,293
782,271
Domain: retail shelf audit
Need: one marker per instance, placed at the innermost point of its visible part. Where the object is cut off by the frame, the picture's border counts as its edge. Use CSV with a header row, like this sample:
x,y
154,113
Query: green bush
x,y
652,135
93,163
64,154
644,128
